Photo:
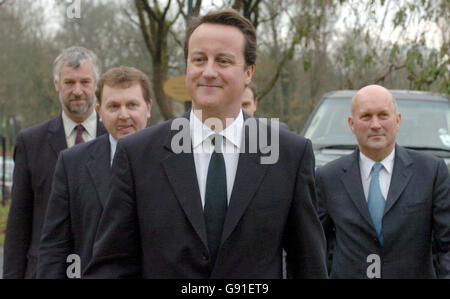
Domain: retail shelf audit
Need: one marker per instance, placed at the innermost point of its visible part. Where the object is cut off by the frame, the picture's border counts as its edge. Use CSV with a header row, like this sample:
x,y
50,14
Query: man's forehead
x,y
362,103
221,34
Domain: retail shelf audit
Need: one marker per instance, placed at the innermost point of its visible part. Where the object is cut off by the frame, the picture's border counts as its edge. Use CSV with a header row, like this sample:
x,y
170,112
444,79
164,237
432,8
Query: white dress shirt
x,y
202,150
385,175
113,146
89,124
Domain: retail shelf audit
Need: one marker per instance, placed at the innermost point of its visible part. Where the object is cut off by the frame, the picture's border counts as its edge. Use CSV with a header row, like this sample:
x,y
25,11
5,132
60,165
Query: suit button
x,y
205,257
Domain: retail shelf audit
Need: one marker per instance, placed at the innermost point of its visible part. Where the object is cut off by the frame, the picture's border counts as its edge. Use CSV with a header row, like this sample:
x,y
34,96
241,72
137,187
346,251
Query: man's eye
x,y
198,59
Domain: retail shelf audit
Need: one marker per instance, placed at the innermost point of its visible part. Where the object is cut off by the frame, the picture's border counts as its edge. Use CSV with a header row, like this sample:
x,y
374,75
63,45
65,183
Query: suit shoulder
x,y
150,134
37,130
82,150
335,166
422,158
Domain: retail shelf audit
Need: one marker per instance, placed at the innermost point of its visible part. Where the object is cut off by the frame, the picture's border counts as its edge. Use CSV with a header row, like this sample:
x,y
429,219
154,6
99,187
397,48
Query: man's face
x,y
123,111
375,122
76,89
216,71
248,102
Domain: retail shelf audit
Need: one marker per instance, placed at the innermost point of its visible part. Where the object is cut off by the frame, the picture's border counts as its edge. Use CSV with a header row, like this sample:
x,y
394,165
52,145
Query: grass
x,y
3,218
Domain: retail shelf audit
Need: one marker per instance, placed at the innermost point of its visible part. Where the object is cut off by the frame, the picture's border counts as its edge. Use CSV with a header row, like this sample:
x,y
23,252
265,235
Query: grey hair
x,y
74,57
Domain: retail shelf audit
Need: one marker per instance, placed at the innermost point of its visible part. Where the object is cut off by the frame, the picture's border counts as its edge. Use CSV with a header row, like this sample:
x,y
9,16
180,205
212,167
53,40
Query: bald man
x,y
383,204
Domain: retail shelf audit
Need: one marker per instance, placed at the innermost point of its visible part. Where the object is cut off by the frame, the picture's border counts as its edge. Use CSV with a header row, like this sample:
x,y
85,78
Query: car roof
x,y
398,95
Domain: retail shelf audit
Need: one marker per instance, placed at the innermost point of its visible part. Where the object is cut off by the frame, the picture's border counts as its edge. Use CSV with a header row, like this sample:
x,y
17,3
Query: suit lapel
x,y
353,184
180,170
100,128
401,175
56,135
245,186
98,166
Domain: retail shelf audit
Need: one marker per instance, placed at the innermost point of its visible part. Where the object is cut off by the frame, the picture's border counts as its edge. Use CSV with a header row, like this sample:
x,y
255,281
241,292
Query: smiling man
x,y
210,214
384,204
81,182
75,74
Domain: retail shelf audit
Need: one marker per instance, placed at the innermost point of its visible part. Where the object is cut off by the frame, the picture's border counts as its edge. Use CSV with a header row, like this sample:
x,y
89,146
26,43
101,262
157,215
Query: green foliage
x,y
4,210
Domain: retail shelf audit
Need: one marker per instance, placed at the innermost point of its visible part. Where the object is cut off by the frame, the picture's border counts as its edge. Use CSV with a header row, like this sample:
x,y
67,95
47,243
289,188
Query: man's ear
x,y
97,107
250,70
56,84
351,123
149,109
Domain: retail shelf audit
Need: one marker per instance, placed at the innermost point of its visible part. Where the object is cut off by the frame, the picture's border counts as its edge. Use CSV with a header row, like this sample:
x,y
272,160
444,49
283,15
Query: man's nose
x,y
78,89
210,70
123,113
375,124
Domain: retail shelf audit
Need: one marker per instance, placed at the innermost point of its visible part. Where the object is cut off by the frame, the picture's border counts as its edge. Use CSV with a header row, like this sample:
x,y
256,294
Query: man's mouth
x,y
124,128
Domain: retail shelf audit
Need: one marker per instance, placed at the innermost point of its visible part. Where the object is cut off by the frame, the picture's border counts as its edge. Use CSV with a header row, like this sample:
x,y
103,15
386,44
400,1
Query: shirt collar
x,y
200,132
113,144
89,124
366,163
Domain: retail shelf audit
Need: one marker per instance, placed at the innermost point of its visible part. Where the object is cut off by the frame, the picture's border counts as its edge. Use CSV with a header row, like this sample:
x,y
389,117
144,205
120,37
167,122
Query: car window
x,y
424,124
329,125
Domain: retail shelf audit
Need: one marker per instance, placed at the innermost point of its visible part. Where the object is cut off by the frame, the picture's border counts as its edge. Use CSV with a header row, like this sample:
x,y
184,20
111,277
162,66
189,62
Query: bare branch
x,y
181,8
148,10
143,25
166,9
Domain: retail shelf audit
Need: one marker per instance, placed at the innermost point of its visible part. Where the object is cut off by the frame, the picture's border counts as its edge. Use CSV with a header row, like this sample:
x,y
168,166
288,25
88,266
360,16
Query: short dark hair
x,y
227,17
124,77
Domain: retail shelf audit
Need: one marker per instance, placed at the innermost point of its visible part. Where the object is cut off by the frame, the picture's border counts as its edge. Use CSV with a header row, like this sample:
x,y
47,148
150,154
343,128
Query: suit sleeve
x,y
116,251
56,239
20,218
327,222
441,219
304,238
325,219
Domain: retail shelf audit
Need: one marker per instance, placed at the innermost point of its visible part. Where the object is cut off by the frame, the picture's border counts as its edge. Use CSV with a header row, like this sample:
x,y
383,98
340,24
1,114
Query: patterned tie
x,y
376,200
215,198
79,139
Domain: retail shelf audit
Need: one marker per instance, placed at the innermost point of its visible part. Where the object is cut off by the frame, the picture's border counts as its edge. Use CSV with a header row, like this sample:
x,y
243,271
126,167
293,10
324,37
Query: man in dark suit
x,y
75,71
210,213
82,175
386,203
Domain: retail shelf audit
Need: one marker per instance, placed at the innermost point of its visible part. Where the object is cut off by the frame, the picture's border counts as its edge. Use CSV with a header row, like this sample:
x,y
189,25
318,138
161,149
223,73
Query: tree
x,y
156,24
393,36
27,95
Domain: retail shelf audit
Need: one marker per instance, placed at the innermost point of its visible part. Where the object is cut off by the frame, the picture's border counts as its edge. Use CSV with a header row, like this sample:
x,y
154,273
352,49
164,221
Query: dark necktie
x,y
215,198
376,201
79,139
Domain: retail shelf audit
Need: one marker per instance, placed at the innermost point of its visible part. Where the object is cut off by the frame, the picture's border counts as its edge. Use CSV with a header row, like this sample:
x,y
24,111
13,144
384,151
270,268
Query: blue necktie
x,y
376,200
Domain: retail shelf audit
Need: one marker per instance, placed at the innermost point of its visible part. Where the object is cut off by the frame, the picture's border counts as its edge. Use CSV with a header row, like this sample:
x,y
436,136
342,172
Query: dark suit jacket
x,y
417,207
35,157
153,225
79,190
